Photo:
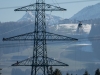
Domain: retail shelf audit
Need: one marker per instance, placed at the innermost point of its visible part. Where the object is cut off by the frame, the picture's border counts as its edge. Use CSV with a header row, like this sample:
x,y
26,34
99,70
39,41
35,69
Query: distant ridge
x,y
87,13
30,16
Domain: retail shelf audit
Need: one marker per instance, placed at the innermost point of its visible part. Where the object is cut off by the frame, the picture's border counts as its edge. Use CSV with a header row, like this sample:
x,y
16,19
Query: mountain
x,y
95,32
79,55
89,12
50,19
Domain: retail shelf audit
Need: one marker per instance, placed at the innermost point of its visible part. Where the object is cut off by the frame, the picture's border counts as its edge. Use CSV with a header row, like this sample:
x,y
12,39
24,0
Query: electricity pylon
x,y
39,61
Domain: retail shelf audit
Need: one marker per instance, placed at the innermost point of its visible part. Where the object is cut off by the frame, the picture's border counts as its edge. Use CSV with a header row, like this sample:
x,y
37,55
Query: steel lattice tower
x,y
39,61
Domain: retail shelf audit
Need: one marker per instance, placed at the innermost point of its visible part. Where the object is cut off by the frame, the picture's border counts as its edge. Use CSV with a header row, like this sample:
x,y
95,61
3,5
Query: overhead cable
x,y
76,1
15,29
54,3
31,43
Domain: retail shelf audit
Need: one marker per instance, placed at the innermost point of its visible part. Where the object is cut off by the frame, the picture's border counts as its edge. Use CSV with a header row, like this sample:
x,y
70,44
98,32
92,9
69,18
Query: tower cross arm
x,y
56,37
33,7
23,37
28,62
49,7
49,37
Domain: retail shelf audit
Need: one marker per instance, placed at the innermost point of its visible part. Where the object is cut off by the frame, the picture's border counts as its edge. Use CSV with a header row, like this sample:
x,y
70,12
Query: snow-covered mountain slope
x,y
90,12
70,29
50,19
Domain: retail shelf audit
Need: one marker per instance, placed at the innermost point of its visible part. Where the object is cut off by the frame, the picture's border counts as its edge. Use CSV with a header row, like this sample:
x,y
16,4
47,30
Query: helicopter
x,y
80,27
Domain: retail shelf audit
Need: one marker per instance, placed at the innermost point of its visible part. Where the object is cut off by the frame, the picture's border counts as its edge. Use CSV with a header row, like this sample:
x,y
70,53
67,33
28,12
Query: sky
x,y
9,14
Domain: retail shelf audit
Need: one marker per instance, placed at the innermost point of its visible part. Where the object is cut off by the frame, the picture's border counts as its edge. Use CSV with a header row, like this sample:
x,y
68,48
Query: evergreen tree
x,y
50,71
97,72
57,72
86,73
67,74
71,74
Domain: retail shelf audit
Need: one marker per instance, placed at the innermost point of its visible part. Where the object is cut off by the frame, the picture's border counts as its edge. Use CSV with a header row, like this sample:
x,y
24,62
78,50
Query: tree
x,y
57,72
71,74
97,72
67,74
50,71
86,73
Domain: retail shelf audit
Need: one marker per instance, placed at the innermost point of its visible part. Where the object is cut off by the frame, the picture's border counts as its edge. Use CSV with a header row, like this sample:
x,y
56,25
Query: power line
x,y
77,1
15,29
10,7
16,44
31,43
55,3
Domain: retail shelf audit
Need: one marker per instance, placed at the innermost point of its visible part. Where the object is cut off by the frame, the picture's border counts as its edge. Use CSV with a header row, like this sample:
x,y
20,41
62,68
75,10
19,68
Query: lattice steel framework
x,y
39,61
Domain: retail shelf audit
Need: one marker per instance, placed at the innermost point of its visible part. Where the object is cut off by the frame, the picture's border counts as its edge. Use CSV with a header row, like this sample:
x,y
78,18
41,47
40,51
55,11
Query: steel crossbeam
x,y
32,7
49,37
28,62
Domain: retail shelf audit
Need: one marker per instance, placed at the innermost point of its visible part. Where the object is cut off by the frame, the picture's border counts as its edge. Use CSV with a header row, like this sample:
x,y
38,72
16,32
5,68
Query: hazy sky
x,y
7,15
